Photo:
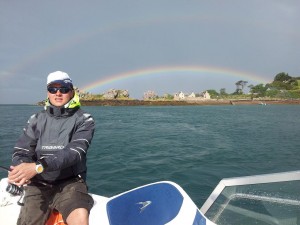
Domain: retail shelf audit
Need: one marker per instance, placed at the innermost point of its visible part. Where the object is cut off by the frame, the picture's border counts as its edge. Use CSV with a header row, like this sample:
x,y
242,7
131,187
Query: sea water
x,y
194,146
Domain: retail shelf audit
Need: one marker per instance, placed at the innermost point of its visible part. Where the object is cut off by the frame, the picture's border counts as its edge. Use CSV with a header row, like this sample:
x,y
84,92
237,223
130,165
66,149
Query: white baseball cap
x,y
60,78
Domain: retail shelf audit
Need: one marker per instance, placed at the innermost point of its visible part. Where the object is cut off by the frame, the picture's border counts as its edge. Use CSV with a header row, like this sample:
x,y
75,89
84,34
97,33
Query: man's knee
x,y
78,216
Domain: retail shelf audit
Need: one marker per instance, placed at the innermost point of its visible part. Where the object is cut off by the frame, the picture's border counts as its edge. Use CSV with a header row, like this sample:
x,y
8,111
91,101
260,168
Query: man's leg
x,y
74,202
35,210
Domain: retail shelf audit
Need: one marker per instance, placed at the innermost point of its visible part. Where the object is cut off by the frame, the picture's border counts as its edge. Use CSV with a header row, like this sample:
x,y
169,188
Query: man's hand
x,y
22,173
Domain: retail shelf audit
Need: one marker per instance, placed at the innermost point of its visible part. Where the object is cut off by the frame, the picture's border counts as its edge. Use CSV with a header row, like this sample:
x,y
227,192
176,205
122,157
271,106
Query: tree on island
x,y
223,91
258,90
283,86
240,86
283,81
282,77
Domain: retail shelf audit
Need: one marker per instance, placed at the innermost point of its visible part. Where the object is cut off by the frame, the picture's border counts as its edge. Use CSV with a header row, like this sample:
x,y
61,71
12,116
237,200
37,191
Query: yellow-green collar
x,y
73,103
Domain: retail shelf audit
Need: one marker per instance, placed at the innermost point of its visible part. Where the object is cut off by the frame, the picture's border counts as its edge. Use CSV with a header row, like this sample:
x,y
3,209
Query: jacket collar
x,y
67,110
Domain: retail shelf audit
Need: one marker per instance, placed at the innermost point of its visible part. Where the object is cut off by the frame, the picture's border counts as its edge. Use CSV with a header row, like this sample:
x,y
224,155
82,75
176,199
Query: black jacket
x,y
62,137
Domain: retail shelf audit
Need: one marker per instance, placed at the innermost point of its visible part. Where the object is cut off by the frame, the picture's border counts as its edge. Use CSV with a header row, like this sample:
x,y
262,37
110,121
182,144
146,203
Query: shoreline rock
x,y
185,103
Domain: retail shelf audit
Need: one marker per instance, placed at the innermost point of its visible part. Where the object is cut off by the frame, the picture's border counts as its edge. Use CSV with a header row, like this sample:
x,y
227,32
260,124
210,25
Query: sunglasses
x,y
63,90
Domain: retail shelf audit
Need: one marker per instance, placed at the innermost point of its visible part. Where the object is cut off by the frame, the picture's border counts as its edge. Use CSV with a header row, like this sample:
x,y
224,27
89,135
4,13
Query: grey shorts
x,y
40,200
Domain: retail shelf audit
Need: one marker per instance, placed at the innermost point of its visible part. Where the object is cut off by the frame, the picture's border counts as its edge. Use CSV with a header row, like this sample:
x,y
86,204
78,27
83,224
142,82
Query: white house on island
x,y
191,97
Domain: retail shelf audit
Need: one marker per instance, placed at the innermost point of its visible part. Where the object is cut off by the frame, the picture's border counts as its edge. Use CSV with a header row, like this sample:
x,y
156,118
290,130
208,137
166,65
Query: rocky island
x,y
184,103
284,89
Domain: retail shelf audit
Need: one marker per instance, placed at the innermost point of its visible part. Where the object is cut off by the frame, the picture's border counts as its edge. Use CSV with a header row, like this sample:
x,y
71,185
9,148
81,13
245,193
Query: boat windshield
x,y
262,199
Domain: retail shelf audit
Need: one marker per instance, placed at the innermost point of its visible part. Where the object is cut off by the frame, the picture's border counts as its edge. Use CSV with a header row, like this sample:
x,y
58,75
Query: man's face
x,y
59,95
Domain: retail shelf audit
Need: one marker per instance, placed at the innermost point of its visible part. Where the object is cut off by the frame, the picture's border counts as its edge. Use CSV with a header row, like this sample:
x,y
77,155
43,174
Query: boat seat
x,y
154,204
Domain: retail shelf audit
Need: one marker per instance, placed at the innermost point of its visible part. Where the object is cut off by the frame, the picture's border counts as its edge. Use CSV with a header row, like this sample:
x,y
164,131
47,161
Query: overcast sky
x,y
99,40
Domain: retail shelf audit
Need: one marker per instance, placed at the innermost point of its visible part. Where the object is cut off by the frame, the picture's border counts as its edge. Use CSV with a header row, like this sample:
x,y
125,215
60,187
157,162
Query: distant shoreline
x,y
183,103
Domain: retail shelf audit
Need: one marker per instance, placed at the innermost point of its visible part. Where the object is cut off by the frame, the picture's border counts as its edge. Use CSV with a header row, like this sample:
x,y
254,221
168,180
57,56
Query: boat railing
x,y
260,199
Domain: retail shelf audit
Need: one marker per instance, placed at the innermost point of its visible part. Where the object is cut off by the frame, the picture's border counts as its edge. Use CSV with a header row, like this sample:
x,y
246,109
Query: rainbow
x,y
172,70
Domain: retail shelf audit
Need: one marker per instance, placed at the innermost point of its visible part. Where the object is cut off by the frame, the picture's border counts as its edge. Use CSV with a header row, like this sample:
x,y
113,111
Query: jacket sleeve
x,y
75,152
24,150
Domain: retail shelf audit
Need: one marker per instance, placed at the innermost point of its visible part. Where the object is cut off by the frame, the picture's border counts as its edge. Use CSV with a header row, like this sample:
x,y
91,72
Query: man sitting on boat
x,y
50,157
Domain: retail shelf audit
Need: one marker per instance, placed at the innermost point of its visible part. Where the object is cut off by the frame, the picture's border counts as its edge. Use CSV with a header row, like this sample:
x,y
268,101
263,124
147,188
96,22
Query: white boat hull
x,y
161,203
